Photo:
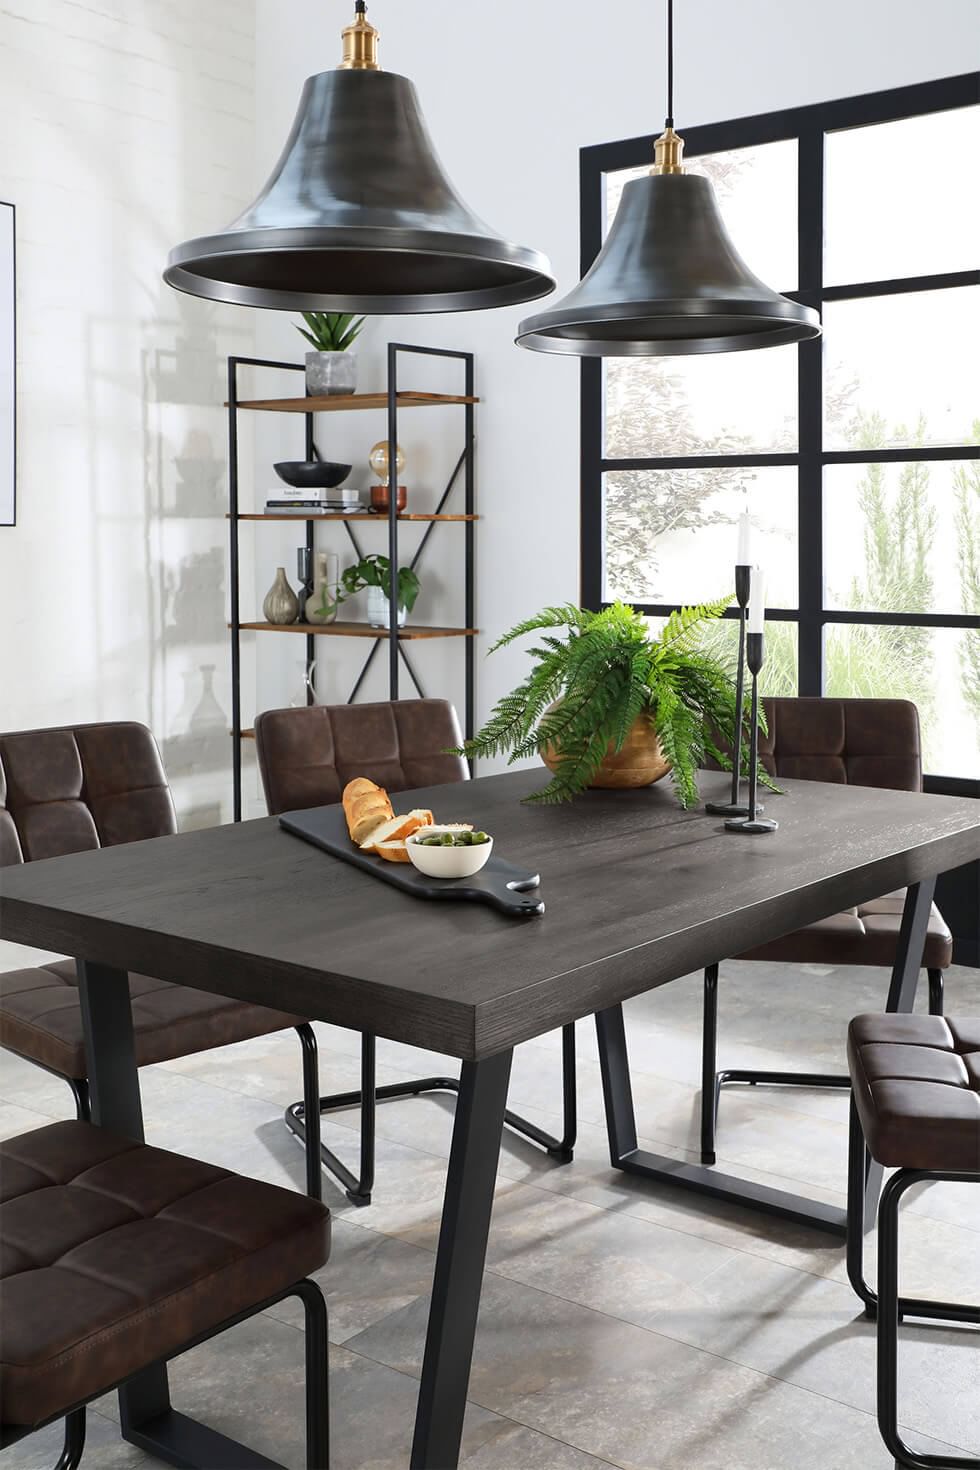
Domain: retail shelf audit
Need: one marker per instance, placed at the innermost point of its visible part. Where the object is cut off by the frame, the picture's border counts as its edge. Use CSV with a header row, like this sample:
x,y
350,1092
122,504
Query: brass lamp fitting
x,y
669,153
360,43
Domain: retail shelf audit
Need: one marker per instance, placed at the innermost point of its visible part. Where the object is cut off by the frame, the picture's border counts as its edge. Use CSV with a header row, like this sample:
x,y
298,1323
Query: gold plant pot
x,y
639,763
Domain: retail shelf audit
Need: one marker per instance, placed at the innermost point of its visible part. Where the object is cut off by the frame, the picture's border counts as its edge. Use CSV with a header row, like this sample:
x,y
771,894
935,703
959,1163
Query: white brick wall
x,y
126,125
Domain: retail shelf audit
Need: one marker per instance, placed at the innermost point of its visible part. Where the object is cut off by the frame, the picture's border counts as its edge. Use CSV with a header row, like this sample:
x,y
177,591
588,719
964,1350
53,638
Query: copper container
x,y
639,763
379,498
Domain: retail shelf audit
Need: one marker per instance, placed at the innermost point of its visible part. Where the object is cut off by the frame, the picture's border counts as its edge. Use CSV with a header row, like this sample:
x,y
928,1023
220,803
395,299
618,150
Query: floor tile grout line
x,y
711,1353
507,1418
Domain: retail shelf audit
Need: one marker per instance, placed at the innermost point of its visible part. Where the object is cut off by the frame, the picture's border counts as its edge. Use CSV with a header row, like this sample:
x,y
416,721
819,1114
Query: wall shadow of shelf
x,y
393,401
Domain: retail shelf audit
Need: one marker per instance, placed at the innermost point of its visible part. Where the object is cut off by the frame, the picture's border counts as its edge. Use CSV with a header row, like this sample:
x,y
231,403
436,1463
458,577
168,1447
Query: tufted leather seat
x,y
114,1255
916,1086
70,790
863,742
307,756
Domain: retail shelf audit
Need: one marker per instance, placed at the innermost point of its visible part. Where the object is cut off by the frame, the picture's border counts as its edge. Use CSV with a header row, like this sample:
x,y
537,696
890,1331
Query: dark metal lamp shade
x,y
359,216
668,281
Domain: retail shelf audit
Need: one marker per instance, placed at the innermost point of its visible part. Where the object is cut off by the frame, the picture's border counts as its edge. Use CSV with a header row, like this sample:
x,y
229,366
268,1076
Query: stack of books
x,y
308,501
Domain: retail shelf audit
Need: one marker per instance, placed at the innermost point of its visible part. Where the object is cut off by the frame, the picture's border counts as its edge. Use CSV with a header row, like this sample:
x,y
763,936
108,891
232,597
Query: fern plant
x,y
587,689
330,331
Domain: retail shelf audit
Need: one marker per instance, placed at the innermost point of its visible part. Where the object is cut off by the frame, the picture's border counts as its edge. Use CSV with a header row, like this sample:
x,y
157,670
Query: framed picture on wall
x,y
8,386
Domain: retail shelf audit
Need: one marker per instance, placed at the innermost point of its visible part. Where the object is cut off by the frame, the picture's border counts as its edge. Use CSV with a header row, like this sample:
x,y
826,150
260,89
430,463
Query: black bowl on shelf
x,y
311,474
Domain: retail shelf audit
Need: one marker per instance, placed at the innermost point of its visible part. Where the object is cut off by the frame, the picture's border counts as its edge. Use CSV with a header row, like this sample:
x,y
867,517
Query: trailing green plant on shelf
x,y
372,571
330,331
587,691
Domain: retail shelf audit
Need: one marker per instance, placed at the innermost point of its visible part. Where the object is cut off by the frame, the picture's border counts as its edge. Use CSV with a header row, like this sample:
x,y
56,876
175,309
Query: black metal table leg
x,y
621,1120
460,1259
146,1416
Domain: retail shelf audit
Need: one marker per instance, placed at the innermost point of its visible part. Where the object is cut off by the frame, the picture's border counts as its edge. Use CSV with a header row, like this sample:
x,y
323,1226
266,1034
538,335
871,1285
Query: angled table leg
x,y
146,1416
461,1255
617,1090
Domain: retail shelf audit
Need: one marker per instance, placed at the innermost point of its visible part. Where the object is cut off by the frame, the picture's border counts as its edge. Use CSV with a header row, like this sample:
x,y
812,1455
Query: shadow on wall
x,y
185,561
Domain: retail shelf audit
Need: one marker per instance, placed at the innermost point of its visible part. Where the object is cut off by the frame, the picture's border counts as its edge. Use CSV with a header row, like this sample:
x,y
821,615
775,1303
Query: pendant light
x,y
358,214
668,280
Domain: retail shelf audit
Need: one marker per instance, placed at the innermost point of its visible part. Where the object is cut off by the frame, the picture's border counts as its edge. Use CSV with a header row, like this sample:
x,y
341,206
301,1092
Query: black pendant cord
x,y
669,119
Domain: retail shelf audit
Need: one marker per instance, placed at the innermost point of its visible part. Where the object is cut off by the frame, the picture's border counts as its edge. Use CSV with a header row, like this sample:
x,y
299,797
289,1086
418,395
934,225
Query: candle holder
x,y
735,807
755,653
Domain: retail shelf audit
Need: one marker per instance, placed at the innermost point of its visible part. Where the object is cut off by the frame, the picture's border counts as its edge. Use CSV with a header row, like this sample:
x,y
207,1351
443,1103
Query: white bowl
x,y
446,862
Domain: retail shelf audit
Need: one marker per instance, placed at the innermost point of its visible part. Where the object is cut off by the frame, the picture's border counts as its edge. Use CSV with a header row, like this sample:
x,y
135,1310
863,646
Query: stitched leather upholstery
x,y
71,790
864,742
916,1082
307,756
113,1255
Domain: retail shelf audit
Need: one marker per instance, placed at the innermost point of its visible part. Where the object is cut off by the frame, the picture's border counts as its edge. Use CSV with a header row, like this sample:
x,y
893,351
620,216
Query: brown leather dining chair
x,y
306,757
80,787
864,742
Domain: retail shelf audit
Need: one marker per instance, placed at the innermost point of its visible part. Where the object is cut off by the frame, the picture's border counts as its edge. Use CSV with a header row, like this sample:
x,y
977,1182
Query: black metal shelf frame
x,y
809,127
397,655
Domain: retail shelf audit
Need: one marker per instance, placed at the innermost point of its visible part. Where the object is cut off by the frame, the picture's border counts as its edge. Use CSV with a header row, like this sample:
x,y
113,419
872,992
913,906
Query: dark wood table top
x,y
637,893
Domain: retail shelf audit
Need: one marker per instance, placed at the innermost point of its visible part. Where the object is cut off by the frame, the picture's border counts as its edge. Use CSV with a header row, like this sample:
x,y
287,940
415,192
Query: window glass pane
x,y
671,537
717,404
902,369
937,668
903,537
899,198
720,402
779,672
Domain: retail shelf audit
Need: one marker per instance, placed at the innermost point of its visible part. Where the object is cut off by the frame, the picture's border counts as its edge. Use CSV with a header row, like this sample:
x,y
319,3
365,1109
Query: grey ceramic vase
x,y
325,580
280,605
328,373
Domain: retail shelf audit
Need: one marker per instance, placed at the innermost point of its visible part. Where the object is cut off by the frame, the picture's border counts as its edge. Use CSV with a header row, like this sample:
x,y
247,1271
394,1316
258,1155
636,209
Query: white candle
x,y
757,601
744,556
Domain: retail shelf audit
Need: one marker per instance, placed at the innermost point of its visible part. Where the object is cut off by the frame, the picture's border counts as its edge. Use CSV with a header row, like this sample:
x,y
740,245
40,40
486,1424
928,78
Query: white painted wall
x,y
126,125
510,92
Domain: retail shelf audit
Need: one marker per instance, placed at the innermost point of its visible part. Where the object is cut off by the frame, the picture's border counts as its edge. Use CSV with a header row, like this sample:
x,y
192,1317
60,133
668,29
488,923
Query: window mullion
x,y
810,403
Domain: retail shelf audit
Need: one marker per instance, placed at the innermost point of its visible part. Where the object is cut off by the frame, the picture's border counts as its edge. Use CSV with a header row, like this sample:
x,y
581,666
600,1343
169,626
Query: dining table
x,y
637,893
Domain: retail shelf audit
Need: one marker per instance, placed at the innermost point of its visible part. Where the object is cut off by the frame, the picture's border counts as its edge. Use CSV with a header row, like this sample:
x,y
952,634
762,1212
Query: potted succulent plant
x,y
374,573
613,705
330,367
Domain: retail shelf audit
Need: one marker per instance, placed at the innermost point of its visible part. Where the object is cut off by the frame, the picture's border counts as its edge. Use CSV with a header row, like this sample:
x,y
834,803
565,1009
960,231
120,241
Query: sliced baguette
x,y
393,852
366,819
360,786
396,829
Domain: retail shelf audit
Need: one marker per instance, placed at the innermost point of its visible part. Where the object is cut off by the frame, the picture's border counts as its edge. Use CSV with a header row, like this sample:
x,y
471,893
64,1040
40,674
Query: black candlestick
x,y
736,808
755,653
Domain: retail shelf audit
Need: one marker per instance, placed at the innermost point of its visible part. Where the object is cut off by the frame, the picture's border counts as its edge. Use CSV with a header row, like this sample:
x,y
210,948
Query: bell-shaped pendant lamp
x,y
668,280
358,214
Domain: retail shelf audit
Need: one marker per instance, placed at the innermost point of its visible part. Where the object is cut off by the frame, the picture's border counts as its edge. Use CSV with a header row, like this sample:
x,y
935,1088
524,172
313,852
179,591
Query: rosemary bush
x,y
587,689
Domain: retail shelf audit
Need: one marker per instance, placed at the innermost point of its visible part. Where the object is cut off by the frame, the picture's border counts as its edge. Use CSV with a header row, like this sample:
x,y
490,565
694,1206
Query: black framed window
x,y
858,455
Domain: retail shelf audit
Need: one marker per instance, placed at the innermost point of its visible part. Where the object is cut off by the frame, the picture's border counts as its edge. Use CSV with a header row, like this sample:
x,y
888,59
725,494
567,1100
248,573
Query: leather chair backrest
x,y
80,787
860,742
307,755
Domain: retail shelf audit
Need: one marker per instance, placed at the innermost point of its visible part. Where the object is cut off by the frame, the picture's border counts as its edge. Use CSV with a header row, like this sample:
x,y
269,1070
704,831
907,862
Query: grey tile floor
x,y
622,1324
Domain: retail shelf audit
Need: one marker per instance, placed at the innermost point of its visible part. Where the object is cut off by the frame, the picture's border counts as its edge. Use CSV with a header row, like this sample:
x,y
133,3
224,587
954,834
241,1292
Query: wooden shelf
x,y
348,402
246,735
358,630
340,515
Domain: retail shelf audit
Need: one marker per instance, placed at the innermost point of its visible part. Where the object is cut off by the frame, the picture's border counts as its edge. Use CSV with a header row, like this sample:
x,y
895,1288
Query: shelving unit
x,y
393,401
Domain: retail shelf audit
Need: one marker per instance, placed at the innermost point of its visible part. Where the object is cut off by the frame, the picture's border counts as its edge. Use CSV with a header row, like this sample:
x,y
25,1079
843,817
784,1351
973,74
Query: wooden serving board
x,y
500,884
